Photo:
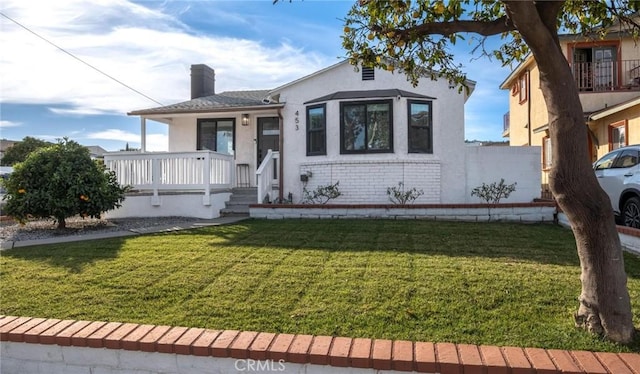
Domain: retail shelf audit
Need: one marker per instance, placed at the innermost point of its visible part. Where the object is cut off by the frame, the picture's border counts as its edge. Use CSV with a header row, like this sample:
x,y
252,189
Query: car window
x,y
627,159
606,162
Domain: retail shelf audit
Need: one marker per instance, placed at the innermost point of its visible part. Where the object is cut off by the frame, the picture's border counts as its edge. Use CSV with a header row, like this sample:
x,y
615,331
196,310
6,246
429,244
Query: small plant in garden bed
x,y
322,194
399,196
494,192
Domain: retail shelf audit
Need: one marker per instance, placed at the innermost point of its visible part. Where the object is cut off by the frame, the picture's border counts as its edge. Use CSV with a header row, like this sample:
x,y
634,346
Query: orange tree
x,y
61,181
413,37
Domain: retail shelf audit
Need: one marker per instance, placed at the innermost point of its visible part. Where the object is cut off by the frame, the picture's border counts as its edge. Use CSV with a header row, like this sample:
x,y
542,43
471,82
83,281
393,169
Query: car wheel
x,y
631,212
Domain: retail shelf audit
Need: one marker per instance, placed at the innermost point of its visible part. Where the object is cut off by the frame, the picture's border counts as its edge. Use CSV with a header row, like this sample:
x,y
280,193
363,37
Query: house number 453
x,y
297,120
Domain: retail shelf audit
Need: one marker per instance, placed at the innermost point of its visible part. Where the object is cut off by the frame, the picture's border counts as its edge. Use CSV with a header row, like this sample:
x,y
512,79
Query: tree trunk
x,y
61,222
604,306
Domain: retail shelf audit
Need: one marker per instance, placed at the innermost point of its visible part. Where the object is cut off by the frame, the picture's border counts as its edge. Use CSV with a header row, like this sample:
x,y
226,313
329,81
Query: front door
x,y
268,136
604,68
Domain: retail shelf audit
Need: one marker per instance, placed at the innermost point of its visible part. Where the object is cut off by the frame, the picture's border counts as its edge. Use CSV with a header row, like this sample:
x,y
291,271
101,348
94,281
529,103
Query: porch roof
x,y
225,101
341,95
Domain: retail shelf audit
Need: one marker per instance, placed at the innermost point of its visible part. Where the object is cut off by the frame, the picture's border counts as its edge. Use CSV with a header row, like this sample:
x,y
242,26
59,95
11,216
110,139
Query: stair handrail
x,y
265,176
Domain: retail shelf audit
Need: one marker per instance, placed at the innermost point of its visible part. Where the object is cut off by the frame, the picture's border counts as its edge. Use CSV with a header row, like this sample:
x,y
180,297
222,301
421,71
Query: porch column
x,y
143,134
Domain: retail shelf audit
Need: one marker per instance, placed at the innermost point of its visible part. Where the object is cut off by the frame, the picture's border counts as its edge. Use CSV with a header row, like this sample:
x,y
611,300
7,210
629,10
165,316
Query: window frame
x,y
523,88
616,125
343,104
309,131
515,89
430,143
199,123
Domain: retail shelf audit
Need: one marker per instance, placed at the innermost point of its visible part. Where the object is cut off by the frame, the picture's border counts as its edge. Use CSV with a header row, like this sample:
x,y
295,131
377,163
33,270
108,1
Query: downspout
x,y
281,147
143,134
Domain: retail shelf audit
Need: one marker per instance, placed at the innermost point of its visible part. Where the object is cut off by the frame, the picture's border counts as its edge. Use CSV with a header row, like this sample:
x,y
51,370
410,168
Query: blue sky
x,y
150,46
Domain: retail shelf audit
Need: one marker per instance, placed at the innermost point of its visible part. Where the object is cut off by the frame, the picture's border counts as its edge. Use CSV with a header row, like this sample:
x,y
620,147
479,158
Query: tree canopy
x,y
414,36
19,151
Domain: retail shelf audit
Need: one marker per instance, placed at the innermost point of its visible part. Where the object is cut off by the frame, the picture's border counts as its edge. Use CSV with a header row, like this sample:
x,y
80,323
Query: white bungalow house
x,y
367,129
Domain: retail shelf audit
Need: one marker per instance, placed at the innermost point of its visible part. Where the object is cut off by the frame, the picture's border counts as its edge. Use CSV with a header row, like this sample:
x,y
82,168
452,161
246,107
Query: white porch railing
x,y
268,174
199,170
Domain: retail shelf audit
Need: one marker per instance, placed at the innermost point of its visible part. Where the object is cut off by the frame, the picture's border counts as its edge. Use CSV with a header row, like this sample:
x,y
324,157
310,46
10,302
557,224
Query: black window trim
x,y
365,103
430,103
198,126
323,152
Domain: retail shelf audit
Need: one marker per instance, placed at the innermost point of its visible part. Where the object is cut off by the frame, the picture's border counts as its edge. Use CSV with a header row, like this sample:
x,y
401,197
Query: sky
x,y
120,55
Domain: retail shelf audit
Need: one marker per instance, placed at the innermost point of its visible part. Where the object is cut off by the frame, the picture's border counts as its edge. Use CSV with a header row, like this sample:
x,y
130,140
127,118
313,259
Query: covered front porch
x,y
191,184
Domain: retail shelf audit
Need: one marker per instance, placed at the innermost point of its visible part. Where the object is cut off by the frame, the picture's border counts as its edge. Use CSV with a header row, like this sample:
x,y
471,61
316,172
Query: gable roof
x,y
340,95
229,100
275,92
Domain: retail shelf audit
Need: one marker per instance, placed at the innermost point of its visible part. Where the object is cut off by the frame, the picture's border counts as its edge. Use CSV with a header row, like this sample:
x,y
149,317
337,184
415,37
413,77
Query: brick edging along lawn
x,y
314,350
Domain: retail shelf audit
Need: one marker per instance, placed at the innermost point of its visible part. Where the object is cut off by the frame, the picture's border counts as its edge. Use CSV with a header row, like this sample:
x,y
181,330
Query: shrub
x,y
494,192
61,181
399,196
322,194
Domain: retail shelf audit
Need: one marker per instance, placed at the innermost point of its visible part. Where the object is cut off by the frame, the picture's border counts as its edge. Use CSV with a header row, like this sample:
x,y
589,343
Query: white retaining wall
x,y
533,213
172,204
27,358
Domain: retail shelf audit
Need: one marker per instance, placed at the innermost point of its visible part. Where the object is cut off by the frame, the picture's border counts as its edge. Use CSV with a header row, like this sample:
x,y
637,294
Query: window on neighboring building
x,y
366,127
618,135
316,130
547,156
523,87
217,135
420,127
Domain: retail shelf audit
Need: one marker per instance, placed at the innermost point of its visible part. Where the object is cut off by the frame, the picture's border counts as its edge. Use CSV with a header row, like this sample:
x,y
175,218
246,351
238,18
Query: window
x,y
216,135
368,74
366,127
523,86
420,127
316,130
627,159
606,162
618,136
547,156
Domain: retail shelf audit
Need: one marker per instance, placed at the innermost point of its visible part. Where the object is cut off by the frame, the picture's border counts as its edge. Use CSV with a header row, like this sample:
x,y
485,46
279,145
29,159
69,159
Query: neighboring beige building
x,y
607,73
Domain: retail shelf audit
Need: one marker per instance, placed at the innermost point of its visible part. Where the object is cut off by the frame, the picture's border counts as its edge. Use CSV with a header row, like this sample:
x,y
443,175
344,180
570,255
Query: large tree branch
x,y
484,28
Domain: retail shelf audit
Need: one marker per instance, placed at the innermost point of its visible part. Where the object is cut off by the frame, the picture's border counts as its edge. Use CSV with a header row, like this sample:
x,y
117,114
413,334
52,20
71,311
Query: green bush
x,y
59,182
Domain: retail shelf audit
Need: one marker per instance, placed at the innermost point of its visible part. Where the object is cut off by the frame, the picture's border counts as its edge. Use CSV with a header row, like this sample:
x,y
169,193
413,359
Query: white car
x,y
619,175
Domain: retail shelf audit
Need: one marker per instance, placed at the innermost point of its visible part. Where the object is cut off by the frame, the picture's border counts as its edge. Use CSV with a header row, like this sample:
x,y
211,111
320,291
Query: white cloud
x,y
4,123
146,49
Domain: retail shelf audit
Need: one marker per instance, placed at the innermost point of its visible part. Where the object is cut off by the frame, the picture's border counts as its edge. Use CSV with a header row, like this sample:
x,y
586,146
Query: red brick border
x,y
445,358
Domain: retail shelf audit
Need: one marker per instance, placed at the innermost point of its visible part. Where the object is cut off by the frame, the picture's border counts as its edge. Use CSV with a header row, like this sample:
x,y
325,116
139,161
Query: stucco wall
x,y
514,164
600,128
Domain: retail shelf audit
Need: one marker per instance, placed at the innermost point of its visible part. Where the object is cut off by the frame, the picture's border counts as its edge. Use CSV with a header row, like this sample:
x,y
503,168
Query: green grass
x,y
478,283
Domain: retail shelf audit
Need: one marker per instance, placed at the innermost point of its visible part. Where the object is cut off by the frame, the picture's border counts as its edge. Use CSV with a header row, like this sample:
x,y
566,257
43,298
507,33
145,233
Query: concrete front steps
x,y
238,204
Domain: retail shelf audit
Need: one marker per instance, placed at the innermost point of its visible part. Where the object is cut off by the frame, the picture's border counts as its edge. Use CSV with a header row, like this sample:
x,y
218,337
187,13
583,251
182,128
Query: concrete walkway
x,y
118,234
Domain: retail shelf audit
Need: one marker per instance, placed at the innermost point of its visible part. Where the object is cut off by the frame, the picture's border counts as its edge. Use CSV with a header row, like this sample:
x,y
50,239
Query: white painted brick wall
x,y
366,182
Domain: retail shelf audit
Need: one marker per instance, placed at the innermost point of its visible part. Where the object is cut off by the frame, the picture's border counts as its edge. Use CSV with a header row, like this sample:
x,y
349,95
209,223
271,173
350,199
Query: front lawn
x,y
478,283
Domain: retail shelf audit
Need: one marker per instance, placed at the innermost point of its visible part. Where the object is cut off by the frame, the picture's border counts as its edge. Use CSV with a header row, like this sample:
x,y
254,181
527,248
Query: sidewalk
x,y
117,234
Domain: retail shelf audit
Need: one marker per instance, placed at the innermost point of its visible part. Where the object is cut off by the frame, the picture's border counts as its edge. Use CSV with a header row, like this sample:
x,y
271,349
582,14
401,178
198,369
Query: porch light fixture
x,y
245,119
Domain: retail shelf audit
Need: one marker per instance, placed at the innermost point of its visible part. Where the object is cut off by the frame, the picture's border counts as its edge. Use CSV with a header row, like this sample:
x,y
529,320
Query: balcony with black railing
x,y
607,75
